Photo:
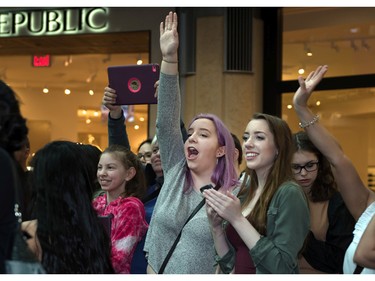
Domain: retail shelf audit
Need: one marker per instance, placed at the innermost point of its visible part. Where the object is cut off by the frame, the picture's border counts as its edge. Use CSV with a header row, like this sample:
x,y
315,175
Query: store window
x,y
344,39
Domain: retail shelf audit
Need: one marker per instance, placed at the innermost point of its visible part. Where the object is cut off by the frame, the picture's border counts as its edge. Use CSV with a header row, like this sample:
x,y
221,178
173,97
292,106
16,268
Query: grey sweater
x,y
194,254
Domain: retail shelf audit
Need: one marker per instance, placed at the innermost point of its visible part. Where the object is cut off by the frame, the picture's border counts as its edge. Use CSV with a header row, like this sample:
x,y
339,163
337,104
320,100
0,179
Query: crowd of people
x,y
181,204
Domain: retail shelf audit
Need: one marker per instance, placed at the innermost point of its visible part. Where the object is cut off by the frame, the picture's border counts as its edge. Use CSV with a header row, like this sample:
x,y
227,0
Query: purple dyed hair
x,y
224,173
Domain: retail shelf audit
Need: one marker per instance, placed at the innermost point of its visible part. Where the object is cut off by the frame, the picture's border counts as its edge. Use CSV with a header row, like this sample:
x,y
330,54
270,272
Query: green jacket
x,y
288,223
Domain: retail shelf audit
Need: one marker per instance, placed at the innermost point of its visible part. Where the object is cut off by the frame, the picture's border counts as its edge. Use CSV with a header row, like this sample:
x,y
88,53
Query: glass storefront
x,y
344,39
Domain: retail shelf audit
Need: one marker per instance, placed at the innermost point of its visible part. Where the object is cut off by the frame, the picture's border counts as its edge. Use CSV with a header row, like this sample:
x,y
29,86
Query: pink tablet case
x,y
134,84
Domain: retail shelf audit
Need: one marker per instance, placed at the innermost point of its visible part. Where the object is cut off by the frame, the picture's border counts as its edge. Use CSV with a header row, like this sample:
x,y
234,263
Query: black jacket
x,y
328,256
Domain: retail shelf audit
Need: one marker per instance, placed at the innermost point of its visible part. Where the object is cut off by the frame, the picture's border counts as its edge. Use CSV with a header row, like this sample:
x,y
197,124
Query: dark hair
x,y
137,185
237,144
13,129
143,142
278,174
324,186
224,174
70,234
92,154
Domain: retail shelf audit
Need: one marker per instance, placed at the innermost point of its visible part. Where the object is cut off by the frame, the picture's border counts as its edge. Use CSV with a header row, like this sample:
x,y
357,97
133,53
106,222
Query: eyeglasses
x,y
309,167
146,155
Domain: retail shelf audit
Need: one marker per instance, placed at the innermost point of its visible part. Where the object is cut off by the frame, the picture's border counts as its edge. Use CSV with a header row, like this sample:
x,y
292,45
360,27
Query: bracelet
x,y
310,123
170,61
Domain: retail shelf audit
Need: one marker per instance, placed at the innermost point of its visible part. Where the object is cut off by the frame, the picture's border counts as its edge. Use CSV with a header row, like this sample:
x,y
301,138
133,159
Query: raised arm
x,y
168,127
355,194
182,124
116,121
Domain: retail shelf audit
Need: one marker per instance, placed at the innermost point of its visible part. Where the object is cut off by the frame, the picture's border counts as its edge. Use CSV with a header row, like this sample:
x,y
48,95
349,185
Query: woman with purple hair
x,y
207,157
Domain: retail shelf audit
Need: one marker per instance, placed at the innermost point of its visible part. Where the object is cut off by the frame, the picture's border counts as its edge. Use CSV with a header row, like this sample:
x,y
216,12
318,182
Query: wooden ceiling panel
x,y
115,43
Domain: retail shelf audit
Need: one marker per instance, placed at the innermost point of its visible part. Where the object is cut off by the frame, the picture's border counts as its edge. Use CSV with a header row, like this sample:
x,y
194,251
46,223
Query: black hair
x,y
71,237
149,141
13,129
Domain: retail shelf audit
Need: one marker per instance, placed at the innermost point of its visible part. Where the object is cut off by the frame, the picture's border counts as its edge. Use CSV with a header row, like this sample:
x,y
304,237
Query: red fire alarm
x,y
41,61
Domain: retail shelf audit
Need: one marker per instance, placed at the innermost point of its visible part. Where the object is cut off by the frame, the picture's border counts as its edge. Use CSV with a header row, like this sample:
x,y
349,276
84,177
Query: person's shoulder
x,y
4,156
129,206
290,189
131,201
99,200
290,186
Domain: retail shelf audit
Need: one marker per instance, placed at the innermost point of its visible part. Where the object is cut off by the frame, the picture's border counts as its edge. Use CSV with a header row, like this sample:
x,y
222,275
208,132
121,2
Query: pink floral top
x,y
127,229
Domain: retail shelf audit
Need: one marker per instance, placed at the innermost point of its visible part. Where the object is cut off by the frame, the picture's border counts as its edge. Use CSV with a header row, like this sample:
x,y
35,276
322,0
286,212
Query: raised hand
x,y
307,86
169,38
109,98
156,86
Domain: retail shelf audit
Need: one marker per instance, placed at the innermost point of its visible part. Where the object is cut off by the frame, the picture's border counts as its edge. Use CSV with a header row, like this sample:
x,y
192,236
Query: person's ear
x,y
236,155
130,173
220,151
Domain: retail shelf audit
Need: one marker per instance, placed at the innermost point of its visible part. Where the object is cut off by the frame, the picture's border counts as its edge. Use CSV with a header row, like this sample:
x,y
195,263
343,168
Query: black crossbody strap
x,y
200,205
358,269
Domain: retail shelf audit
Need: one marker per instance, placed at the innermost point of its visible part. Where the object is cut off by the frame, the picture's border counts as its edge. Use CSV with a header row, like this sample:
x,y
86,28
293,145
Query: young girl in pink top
x,y
120,174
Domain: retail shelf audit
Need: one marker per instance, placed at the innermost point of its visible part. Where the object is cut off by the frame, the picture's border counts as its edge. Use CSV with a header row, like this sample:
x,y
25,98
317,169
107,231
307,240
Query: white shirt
x,y
363,221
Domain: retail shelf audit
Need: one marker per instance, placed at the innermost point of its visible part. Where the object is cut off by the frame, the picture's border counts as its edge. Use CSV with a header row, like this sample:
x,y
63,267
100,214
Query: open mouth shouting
x,y
192,153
